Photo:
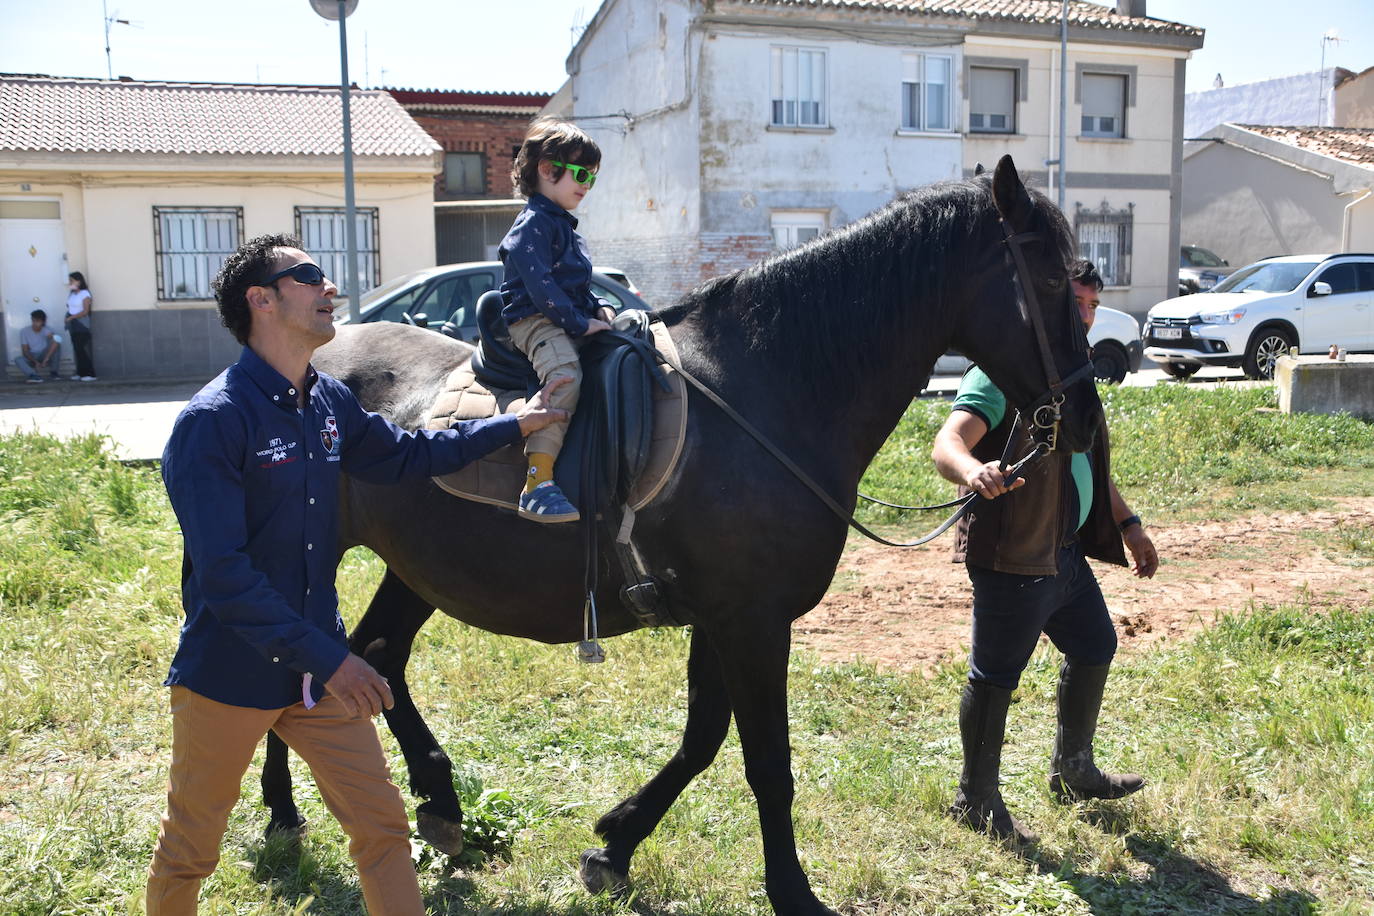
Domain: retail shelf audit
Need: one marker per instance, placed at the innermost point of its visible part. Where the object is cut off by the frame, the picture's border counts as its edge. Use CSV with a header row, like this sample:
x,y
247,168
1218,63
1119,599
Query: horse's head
x,y
1020,322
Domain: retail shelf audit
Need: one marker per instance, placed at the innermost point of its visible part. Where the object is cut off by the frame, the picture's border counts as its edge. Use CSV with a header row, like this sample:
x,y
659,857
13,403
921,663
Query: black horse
x,y
822,348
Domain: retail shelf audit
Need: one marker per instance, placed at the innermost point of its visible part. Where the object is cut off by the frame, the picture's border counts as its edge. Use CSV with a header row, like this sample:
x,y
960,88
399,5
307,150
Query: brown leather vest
x,y
1021,531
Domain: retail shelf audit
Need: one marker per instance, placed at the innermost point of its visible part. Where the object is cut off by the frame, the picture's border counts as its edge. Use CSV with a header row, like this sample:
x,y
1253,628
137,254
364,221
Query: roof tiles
x,y
1038,12
1348,144
54,114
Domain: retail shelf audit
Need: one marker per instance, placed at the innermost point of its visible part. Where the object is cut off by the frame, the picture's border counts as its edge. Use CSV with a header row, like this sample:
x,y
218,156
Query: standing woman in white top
x,y
79,325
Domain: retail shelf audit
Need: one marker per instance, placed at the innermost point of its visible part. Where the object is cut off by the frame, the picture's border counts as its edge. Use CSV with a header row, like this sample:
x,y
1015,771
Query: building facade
x,y
753,125
480,133
146,188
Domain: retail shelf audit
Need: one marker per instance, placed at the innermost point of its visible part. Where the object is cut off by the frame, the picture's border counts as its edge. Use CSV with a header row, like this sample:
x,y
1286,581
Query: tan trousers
x,y
212,745
554,356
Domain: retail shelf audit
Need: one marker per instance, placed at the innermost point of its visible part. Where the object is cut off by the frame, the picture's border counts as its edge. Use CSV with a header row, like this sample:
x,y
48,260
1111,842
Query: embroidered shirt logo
x,y
329,436
276,453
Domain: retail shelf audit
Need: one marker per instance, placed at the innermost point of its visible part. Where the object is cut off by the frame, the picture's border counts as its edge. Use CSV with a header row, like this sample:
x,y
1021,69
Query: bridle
x,y
1044,411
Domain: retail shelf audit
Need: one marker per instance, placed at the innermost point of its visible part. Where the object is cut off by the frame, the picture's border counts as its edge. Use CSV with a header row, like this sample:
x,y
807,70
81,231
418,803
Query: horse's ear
x,y
978,169
1010,194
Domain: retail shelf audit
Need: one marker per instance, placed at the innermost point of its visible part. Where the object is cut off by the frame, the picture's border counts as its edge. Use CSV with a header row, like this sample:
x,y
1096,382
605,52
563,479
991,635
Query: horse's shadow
x,y
294,874
1177,883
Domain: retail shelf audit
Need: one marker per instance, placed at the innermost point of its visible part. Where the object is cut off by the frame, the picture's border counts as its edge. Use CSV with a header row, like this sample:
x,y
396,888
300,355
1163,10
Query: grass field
x,y
1256,737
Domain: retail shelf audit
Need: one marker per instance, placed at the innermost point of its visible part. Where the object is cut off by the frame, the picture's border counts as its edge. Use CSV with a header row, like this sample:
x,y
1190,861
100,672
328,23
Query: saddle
x,y
623,442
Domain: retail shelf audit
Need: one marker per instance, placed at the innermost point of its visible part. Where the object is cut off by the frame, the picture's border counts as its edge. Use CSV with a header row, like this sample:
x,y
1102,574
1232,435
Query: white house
x,y
731,128
146,187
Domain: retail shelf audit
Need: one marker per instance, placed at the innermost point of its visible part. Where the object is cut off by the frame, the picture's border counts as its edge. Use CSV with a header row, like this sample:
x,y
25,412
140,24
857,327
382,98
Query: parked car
x,y
1199,270
444,298
1115,339
1308,301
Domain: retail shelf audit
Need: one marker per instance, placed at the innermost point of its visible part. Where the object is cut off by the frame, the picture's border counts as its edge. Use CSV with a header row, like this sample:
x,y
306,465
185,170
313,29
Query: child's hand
x,y
536,414
607,314
595,326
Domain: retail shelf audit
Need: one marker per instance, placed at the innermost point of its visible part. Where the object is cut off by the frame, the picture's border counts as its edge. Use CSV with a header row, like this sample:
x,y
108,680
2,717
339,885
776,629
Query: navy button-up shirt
x,y
254,481
548,270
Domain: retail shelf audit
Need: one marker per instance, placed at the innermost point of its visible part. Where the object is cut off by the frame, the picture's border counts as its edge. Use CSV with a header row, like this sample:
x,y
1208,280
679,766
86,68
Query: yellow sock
x,y
541,470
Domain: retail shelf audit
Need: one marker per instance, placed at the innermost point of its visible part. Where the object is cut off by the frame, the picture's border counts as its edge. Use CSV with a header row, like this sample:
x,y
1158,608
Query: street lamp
x,y
341,10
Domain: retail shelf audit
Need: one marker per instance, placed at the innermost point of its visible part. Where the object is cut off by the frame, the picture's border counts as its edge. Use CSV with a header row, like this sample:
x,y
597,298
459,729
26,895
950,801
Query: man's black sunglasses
x,y
308,274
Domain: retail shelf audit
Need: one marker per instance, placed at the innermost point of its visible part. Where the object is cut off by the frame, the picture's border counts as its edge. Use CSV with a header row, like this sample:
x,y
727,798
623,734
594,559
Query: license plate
x,y
1168,333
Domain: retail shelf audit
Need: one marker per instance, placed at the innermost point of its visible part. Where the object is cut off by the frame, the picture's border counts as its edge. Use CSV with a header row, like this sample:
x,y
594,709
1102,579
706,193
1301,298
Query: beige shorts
x,y
554,355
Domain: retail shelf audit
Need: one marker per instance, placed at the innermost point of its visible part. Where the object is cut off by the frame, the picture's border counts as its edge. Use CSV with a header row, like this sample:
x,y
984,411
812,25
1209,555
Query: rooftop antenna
x,y
1331,37
109,21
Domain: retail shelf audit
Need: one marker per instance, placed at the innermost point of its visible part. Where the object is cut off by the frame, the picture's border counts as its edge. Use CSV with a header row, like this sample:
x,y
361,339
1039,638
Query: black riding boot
x,y
1073,774
982,725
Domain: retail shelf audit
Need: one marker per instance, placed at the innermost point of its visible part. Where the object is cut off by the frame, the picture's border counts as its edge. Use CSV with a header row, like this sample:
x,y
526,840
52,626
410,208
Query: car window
x,y
1341,277
602,292
404,303
464,295
1366,275
1266,277
1200,257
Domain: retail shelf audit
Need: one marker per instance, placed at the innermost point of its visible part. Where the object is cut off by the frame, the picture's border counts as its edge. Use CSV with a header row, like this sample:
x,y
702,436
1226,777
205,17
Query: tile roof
x,y
1039,12
58,114
1348,144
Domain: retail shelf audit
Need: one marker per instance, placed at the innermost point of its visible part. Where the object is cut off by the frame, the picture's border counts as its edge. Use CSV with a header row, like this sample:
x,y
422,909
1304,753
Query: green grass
x,y
1256,739
1178,453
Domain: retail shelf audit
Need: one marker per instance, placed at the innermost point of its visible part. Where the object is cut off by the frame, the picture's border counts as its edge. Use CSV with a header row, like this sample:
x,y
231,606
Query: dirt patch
x,y
909,609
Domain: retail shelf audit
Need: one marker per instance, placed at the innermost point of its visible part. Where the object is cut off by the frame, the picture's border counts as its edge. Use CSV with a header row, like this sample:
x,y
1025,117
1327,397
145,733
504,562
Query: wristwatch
x,y
1127,522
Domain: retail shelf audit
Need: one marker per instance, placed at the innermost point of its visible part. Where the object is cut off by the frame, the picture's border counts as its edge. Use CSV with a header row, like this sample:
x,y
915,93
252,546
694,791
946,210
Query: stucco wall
x,y
1354,101
1245,206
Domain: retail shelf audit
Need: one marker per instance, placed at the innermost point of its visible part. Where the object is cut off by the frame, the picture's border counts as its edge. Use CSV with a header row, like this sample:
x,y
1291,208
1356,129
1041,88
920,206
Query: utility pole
x,y
330,10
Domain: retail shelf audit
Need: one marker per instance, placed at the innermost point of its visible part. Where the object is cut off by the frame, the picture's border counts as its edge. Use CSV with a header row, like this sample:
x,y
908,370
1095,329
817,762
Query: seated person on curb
x,y
39,348
1025,552
252,470
549,305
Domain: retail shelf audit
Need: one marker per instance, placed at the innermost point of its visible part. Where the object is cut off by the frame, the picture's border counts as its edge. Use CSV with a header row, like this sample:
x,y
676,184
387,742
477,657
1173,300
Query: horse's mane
x,y
859,284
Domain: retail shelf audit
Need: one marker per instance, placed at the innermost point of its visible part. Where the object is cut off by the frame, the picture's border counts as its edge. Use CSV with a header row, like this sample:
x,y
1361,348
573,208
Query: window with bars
x,y
1104,105
992,100
1104,237
190,245
798,89
323,232
926,95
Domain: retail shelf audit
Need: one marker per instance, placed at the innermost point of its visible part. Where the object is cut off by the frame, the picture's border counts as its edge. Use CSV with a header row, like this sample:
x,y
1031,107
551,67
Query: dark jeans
x,y
1010,612
81,348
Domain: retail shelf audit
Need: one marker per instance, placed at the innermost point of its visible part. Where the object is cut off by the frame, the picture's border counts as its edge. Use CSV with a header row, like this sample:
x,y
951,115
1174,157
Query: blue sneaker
x,y
546,503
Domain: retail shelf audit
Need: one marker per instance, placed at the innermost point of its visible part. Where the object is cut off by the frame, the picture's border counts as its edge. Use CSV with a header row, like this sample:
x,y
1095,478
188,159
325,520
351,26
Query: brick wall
x,y
494,136
666,268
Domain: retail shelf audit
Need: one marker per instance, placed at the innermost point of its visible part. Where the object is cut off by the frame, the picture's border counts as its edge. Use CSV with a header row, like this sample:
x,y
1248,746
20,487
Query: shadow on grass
x,y
1177,883
458,895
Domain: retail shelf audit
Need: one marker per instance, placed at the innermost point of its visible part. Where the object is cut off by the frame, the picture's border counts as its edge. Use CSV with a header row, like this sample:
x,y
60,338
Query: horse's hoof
x,y
598,875
444,834
293,827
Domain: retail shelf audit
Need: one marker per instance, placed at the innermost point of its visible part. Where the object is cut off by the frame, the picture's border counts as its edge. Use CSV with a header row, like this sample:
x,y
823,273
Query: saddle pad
x,y
498,478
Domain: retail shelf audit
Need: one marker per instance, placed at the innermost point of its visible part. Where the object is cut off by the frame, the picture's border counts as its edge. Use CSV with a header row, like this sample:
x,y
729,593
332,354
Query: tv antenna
x,y
109,21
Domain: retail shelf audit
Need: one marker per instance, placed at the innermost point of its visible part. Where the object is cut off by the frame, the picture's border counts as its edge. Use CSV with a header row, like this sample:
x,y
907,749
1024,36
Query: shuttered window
x,y
992,100
1104,105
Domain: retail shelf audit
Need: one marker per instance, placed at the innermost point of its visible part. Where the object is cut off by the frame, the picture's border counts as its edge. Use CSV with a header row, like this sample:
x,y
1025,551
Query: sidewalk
x,y
137,415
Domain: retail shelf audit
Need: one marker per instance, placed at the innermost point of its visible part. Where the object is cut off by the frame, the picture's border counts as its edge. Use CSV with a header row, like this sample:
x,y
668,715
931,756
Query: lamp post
x,y
340,10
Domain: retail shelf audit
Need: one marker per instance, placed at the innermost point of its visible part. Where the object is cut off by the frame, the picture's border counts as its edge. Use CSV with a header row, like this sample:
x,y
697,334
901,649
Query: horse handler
x,y
252,469
1025,553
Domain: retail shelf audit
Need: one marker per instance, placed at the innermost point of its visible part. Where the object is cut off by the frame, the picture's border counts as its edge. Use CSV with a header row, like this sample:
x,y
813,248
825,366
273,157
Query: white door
x,y
33,275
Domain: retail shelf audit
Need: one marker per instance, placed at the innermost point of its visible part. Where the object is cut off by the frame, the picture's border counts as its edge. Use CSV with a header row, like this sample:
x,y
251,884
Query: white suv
x,y
1306,301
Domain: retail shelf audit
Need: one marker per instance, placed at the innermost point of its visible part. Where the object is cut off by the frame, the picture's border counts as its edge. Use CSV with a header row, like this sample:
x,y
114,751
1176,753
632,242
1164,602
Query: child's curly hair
x,y
248,266
551,139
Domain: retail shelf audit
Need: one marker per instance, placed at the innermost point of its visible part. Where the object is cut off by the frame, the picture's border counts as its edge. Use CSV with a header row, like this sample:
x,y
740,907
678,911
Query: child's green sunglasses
x,y
580,173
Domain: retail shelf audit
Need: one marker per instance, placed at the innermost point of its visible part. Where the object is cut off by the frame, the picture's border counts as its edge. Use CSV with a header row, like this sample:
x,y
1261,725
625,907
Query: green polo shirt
x,y
980,397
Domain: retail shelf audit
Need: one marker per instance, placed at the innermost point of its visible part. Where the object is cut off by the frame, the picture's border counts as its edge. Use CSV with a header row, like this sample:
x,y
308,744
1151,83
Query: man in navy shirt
x,y
252,470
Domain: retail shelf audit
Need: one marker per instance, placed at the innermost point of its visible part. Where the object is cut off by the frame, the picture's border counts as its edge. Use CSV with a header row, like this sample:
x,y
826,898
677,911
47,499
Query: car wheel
x,y
1265,348
1180,371
1109,362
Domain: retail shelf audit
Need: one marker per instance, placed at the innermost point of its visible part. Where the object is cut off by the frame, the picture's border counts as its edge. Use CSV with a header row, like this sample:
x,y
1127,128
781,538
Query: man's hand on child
x,y
536,414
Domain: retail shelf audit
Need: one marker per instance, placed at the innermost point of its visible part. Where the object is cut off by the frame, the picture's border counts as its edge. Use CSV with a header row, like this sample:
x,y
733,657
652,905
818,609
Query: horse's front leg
x,y
753,654
383,638
628,823
276,789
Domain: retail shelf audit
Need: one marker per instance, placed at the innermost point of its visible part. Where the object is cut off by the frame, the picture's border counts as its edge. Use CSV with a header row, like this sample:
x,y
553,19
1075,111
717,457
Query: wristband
x,y
1127,522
